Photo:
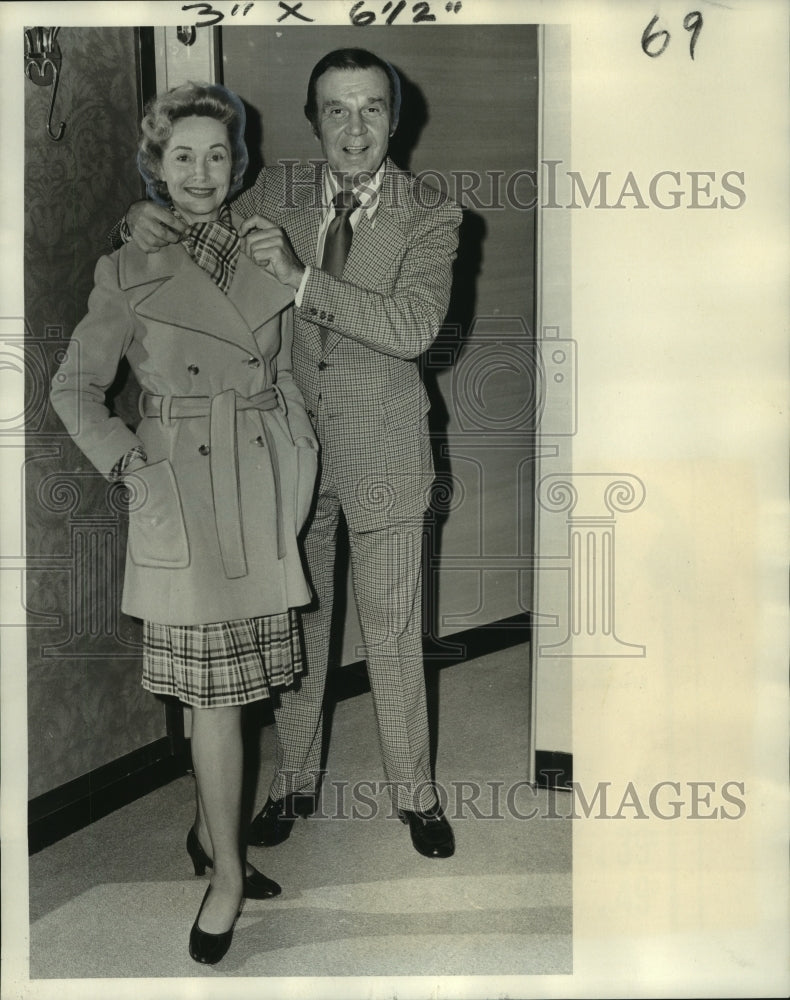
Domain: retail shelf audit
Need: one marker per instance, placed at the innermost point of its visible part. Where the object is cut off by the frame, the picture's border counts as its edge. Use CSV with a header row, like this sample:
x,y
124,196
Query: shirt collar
x,y
367,194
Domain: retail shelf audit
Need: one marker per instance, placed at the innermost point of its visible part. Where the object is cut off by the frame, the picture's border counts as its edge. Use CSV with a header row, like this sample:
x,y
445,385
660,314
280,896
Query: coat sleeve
x,y
405,320
98,343
298,421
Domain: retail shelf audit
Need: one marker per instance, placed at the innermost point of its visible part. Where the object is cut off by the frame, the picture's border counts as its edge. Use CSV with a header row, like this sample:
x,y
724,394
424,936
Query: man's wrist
x,y
301,286
297,277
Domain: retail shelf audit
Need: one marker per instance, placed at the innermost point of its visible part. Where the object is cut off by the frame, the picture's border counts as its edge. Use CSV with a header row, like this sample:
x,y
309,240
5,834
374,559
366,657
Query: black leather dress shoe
x,y
274,822
431,834
256,884
208,949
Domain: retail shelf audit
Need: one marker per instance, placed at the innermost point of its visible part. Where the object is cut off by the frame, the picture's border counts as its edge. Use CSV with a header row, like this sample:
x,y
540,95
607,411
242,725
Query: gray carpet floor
x,y
117,899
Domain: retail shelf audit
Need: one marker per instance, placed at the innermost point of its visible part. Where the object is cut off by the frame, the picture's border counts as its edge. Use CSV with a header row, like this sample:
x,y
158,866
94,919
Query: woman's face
x,y
196,166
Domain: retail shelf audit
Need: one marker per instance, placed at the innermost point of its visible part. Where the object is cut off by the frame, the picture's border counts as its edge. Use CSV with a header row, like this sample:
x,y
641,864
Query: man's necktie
x,y
338,240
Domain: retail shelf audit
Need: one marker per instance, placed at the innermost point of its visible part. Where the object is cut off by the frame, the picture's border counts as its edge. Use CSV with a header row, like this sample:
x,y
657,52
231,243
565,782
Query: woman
x,y
220,469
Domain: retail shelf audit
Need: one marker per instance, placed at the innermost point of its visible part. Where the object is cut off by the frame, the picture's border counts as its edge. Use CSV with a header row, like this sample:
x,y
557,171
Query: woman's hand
x,y
152,226
269,247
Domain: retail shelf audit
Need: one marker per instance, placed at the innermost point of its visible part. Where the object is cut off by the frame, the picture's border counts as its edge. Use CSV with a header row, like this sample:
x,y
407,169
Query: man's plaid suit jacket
x,y
381,315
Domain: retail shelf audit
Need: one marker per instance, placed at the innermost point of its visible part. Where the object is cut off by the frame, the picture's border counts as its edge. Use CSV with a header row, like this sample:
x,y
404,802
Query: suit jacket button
x,y
204,449
322,365
193,369
322,315
311,415
253,362
260,441
313,312
331,317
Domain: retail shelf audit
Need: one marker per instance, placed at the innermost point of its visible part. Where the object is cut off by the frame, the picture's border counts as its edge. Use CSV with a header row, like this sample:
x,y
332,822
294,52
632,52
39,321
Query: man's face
x,y
353,120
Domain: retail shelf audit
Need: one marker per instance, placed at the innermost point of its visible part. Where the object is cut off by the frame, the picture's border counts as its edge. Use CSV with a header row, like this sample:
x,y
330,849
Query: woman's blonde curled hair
x,y
205,100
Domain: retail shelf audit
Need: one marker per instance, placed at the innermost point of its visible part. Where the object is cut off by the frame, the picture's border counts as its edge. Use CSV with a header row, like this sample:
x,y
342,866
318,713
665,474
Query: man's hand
x,y
269,247
152,226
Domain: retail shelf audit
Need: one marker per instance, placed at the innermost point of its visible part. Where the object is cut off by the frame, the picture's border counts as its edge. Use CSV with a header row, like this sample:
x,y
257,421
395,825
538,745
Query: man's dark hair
x,y
352,59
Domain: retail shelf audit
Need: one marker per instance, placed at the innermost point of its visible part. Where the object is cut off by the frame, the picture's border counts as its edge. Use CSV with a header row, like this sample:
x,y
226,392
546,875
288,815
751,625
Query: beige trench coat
x,y
216,511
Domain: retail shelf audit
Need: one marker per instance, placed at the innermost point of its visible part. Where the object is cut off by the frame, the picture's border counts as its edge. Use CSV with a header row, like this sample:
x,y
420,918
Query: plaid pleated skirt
x,y
222,663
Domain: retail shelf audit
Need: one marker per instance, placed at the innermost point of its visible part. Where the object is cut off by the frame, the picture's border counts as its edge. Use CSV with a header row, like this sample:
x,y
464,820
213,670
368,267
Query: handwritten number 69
x,y
650,39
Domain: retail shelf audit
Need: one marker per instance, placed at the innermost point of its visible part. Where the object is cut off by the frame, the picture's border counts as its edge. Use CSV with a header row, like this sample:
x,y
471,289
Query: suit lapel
x,y
374,248
376,244
302,222
301,225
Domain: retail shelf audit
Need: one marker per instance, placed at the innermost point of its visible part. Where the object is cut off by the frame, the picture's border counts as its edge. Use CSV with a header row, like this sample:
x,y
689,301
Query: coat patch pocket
x,y
157,532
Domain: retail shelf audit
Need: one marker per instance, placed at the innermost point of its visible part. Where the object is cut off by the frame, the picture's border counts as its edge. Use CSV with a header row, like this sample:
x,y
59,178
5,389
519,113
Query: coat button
x,y
331,317
322,315
313,311
253,362
322,365
193,368
311,415
204,449
259,440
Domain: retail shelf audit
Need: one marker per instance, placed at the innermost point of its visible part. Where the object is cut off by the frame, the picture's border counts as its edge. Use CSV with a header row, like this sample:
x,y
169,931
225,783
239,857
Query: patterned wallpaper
x,y
85,703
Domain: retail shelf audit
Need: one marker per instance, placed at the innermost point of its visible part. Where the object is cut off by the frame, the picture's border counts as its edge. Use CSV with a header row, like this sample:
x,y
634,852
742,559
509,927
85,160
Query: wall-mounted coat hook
x,y
42,67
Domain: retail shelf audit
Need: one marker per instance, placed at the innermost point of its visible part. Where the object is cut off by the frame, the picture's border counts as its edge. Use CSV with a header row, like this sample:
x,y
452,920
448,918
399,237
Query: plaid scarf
x,y
214,246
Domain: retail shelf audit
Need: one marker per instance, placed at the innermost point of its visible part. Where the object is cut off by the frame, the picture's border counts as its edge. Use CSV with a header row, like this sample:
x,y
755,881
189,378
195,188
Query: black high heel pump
x,y
256,884
210,948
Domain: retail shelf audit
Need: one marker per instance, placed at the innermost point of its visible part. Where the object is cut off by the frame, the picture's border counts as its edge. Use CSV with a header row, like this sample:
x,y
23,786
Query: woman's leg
x,y
204,836
201,823
217,759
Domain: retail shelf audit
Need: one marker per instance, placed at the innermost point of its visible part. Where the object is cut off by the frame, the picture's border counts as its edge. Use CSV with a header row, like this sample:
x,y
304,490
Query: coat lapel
x,y
256,294
177,293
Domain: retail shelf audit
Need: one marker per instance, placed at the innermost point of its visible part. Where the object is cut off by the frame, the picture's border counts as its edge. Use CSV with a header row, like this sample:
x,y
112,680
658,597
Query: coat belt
x,y
223,456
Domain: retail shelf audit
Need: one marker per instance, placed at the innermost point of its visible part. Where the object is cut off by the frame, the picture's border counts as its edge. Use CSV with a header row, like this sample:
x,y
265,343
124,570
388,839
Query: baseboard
x,y
74,805
553,769
351,679
78,803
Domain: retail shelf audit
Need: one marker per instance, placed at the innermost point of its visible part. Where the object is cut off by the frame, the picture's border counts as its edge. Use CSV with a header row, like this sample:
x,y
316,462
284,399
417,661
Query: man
x,y
359,328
